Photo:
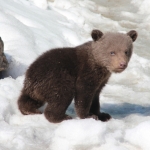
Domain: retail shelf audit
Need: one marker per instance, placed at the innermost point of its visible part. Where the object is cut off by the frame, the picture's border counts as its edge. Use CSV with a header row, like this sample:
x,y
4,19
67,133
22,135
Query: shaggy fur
x,y
61,74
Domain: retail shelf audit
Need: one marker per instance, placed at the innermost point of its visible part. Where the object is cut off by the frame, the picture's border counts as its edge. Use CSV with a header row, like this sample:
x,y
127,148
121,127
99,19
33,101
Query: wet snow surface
x,y
30,27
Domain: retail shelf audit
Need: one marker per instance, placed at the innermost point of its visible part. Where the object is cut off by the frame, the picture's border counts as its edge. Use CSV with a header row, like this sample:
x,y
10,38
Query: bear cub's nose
x,y
123,64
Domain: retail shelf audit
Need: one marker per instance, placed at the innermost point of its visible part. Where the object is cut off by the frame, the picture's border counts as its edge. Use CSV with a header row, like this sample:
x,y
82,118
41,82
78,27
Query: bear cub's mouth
x,y
120,69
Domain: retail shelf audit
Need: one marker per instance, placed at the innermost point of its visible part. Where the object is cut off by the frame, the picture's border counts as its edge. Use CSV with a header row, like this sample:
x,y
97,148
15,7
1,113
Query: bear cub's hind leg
x,y
56,114
29,106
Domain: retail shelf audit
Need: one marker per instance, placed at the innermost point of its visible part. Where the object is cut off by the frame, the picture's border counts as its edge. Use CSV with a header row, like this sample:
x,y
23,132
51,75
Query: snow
x,y
30,27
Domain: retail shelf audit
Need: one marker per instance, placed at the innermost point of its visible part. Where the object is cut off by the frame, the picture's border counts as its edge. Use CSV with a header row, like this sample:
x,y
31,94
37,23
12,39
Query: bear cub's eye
x,y
126,52
112,53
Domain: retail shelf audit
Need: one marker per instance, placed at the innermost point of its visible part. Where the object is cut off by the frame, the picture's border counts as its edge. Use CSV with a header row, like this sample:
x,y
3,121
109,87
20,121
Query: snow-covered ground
x,y
30,27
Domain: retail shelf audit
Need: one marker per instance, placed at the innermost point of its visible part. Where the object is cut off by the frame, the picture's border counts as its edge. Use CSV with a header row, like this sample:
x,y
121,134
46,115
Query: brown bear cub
x,y
61,74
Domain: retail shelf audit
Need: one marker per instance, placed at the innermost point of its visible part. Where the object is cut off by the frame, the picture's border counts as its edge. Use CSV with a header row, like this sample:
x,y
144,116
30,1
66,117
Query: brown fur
x,y
61,74
3,60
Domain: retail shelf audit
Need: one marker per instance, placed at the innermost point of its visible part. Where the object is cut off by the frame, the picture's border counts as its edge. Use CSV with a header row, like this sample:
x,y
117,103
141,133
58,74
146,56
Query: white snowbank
x,y
30,27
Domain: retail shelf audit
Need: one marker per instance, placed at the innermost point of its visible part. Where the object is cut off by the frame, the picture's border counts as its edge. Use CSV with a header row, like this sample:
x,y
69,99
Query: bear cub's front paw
x,y
104,116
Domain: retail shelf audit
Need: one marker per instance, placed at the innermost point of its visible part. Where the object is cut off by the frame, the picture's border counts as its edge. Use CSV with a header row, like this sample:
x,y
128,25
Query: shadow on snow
x,y
125,109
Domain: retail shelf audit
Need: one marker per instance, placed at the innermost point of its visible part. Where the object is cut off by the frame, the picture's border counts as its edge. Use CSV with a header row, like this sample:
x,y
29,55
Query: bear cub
x,y
61,74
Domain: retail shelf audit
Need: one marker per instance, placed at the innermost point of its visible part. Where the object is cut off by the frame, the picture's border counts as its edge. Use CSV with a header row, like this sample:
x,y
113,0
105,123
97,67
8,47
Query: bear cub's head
x,y
113,50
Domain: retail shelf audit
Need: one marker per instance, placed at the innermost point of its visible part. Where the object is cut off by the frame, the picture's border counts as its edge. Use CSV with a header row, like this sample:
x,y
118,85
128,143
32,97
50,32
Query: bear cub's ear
x,y
133,34
96,35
